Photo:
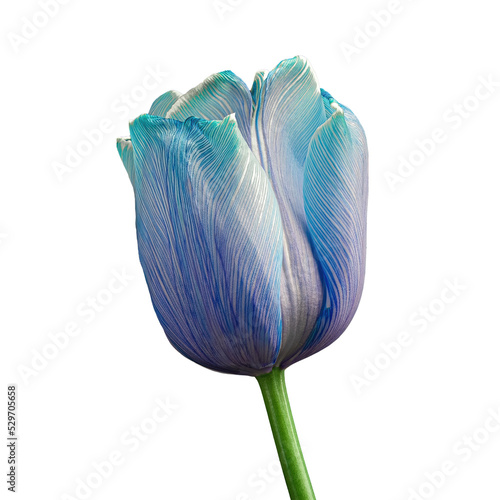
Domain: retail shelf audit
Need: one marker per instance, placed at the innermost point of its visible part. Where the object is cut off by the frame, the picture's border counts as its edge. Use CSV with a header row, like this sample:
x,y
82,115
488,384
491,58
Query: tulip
x,y
251,227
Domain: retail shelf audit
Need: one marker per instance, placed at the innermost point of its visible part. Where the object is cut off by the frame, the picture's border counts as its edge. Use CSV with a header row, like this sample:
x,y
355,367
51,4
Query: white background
x,y
61,241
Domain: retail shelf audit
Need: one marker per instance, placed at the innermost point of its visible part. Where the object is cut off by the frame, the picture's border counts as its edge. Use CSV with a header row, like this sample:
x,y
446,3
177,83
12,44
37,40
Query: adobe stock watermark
x,y
418,322
130,441
222,7
30,26
462,451
452,118
259,481
120,109
86,312
371,29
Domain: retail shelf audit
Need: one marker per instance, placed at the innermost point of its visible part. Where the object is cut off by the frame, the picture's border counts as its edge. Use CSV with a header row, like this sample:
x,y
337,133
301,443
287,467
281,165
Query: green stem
x,y
285,436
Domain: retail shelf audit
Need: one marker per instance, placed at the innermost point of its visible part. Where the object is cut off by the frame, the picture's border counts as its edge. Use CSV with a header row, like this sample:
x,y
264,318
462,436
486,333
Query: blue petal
x,y
215,98
335,194
210,242
327,101
126,151
163,104
288,110
258,82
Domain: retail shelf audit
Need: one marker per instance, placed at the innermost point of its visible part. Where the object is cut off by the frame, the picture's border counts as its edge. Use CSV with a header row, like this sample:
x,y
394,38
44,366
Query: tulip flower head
x,y
251,217
251,227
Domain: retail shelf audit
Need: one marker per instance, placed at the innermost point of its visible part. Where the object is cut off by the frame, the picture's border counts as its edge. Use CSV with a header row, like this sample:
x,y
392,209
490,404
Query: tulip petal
x,y
216,97
210,242
162,104
335,196
258,82
126,151
327,101
288,110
